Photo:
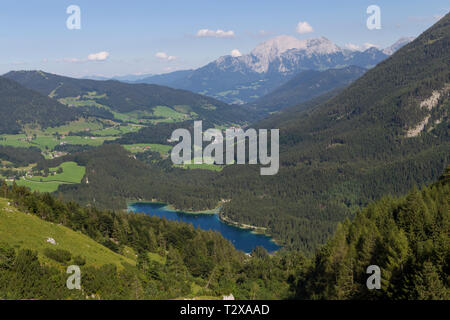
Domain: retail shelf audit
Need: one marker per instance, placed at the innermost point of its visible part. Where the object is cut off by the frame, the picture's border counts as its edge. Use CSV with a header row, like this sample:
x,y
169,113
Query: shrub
x,y
59,255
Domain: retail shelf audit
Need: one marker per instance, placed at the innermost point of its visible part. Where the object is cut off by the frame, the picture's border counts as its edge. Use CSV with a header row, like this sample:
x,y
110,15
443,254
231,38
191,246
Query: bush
x,y
59,255
79,261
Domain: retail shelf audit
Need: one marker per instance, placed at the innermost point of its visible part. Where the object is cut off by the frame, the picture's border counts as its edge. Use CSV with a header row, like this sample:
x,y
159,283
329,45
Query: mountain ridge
x,y
124,97
21,106
305,86
246,78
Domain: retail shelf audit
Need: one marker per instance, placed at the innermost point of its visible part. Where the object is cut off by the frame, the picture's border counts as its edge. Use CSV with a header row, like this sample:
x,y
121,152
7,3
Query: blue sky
x,y
129,34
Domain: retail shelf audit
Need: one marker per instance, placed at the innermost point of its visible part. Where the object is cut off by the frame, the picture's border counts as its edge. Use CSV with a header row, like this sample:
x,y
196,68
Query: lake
x,y
242,239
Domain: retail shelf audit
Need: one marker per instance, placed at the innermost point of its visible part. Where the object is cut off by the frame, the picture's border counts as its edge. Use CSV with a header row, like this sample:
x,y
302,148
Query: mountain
x,y
272,63
20,106
125,78
398,45
19,229
166,79
383,134
305,86
116,96
391,234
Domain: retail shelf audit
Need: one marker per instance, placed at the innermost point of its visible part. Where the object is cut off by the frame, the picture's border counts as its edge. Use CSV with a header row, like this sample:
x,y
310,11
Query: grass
x,y
72,173
202,166
22,230
47,142
74,126
168,113
131,254
142,147
46,139
116,130
39,186
76,102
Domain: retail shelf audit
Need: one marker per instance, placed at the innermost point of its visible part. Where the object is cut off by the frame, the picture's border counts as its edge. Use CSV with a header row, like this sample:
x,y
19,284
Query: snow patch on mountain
x,y
398,45
274,50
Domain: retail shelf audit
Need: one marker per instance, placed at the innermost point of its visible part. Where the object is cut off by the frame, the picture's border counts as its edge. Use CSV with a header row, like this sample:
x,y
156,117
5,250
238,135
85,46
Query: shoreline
x,y
215,211
170,207
254,229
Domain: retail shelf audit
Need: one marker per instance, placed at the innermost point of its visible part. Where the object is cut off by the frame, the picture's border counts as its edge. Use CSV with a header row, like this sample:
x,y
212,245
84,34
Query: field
x,y
116,130
74,126
165,114
22,230
142,147
169,113
49,143
72,173
203,166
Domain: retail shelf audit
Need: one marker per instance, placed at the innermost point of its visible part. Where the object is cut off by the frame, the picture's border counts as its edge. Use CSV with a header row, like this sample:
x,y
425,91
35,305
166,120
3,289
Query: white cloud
x,y
353,47
203,33
236,53
99,56
363,47
164,56
368,45
304,27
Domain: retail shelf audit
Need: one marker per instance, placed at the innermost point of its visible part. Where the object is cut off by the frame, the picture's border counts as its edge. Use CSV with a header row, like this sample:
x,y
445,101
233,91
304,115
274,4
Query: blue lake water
x,y
242,239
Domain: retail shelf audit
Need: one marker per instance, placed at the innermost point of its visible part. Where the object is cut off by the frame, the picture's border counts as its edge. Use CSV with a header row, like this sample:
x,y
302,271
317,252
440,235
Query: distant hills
x,y
385,133
305,86
398,45
248,77
115,96
124,78
382,134
20,106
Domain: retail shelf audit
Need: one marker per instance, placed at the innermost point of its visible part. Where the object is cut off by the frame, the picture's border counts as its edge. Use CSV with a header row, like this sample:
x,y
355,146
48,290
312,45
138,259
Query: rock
x,y
51,241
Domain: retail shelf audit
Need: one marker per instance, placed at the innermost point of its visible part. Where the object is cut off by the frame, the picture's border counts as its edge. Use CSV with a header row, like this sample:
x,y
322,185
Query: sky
x,y
152,37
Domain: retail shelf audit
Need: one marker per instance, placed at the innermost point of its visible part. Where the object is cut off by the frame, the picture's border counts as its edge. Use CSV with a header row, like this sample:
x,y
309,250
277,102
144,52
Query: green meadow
x,y
47,142
27,231
204,166
72,173
142,147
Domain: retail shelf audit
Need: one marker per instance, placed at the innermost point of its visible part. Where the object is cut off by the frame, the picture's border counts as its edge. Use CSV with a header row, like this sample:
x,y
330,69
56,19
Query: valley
x,y
362,176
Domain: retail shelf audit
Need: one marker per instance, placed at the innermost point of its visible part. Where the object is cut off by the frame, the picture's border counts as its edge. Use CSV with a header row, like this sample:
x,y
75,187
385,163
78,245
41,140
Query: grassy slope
x,y
72,173
27,231
142,147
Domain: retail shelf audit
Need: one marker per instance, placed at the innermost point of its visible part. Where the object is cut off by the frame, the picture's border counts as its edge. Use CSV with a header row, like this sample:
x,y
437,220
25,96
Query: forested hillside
x,y
20,106
160,259
407,237
305,86
385,133
122,97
